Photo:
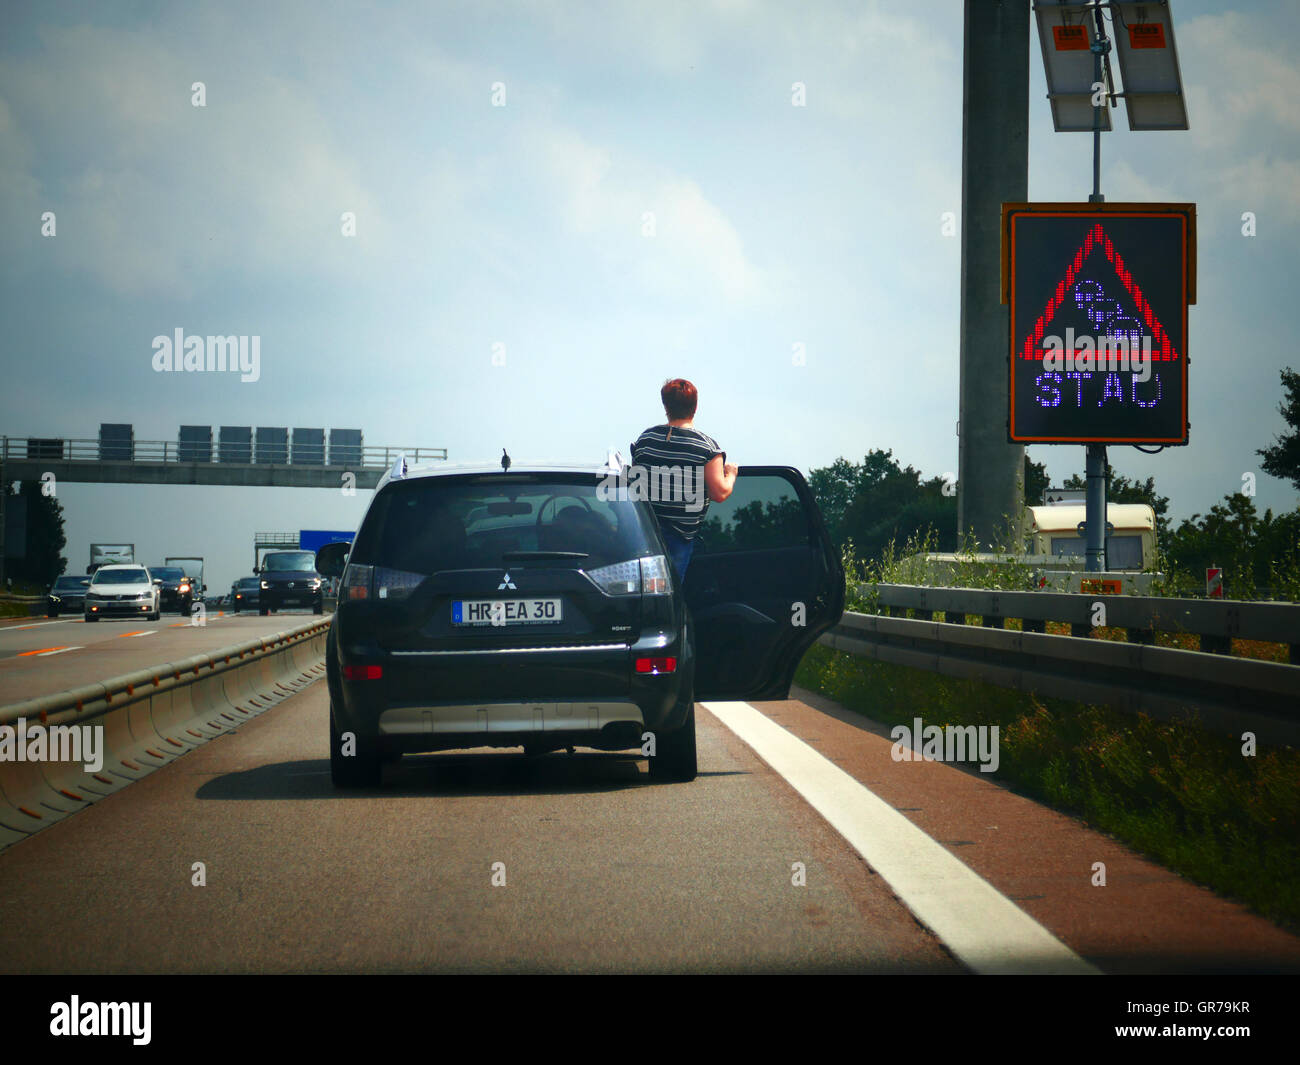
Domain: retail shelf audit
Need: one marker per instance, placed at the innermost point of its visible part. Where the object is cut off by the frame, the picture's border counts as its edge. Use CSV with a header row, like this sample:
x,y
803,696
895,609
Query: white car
x,y
124,590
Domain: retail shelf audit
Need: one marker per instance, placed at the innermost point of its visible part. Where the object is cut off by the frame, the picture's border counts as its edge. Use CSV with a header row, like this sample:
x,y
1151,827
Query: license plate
x,y
505,611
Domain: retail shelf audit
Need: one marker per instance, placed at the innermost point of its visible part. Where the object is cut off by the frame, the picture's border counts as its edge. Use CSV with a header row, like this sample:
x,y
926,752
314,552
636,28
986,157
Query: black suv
x,y
289,578
533,607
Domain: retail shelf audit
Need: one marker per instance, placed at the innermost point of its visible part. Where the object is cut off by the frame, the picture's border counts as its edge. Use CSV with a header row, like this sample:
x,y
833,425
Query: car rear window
x,y
428,524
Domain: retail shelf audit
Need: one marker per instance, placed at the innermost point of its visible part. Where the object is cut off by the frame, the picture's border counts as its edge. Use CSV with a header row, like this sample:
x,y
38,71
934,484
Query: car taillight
x,y
647,575
620,578
356,582
654,576
656,665
363,672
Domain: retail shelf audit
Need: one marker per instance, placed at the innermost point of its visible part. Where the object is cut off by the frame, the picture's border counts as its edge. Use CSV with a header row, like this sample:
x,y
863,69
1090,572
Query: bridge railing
x,y
154,452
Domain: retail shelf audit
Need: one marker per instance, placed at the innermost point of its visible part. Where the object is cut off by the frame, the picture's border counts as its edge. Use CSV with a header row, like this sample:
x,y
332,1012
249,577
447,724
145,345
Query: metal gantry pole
x,y
1095,459
995,170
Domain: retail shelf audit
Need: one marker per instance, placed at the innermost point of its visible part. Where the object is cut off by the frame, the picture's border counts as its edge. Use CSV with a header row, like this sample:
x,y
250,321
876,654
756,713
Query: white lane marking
x,y
34,625
144,632
56,651
984,929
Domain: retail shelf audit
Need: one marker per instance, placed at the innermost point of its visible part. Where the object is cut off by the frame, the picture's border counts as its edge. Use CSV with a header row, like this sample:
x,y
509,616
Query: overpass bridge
x,y
281,462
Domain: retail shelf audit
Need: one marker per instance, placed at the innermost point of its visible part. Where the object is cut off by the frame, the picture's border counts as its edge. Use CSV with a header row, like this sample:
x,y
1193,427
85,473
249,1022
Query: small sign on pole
x,y
1214,582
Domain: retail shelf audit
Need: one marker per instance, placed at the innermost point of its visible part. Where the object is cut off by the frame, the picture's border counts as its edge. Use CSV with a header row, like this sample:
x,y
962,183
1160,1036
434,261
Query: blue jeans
x,y
679,551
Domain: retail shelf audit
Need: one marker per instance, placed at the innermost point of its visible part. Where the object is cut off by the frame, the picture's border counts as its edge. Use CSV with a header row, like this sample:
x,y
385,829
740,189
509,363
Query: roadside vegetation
x,y
1184,797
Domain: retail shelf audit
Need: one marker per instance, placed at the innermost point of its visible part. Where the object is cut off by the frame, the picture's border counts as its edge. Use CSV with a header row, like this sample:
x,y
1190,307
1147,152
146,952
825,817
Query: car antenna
x,y
505,460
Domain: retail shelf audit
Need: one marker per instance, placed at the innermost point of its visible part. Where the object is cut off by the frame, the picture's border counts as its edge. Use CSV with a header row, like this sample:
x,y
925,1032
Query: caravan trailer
x,y
1130,543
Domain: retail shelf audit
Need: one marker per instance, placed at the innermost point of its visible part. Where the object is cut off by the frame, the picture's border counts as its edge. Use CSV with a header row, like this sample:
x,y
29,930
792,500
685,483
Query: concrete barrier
x,y
150,718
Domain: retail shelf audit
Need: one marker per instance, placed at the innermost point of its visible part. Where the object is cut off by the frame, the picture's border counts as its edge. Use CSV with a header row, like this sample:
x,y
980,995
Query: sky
x,y
554,207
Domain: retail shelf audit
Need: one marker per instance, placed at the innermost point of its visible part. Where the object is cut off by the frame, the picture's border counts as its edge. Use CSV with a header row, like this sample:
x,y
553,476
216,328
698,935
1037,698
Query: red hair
x,y
680,398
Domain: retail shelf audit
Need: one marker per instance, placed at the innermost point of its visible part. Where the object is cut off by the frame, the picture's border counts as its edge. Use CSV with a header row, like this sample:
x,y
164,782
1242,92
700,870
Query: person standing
x,y
704,472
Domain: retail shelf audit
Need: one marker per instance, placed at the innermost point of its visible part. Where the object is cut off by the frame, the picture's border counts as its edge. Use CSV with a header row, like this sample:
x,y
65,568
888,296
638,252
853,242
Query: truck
x,y
109,554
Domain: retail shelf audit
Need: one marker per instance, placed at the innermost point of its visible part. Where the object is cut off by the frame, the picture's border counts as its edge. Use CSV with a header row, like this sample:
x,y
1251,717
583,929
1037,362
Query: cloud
x,y
646,220
157,196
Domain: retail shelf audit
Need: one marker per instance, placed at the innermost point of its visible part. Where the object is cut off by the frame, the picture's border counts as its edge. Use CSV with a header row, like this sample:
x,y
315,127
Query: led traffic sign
x,y
1098,296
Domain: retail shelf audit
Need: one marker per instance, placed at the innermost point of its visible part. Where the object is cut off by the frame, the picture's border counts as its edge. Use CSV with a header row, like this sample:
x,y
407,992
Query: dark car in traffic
x,y
178,589
533,607
245,594
289,578
66,596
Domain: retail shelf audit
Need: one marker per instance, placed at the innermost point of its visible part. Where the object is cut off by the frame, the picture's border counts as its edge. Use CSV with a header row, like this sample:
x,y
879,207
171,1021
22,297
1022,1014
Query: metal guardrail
x,y
145,720
78,705
1216,622
1229,695
154,452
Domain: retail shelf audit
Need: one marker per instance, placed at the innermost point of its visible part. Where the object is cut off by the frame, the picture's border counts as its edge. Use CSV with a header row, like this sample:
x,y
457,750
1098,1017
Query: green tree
x,y
1283,458
1036,481
42,562
1256,553
878,500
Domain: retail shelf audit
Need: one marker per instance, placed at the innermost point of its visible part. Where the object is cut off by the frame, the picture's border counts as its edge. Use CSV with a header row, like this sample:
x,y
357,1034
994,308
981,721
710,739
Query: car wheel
x,y
361,769
52,613
674,757
263,610
91,617
319,608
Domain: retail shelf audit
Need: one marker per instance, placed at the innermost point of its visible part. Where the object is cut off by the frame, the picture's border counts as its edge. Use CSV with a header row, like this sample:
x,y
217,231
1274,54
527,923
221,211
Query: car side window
x,y
763,512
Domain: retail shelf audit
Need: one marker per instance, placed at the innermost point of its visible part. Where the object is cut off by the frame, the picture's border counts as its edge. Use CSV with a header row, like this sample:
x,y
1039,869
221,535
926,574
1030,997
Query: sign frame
x,y
1099,211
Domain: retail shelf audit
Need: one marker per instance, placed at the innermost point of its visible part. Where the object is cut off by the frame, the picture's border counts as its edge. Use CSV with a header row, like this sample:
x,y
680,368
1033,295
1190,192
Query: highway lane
x,y
605,870
40,656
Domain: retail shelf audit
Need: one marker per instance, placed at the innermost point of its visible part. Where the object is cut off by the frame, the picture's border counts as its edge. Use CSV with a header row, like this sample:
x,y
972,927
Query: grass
x,y
1188,799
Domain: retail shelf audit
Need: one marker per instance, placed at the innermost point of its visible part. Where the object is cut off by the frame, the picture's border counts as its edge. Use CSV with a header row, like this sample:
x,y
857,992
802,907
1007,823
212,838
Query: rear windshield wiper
x,y
529,556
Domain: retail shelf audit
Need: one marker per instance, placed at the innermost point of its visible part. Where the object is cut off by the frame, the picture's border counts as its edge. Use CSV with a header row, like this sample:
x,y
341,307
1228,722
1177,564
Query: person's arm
x,y
719,478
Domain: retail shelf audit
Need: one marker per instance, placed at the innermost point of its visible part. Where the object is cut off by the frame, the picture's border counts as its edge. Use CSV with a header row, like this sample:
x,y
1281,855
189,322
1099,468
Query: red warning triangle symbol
x,y
1161,348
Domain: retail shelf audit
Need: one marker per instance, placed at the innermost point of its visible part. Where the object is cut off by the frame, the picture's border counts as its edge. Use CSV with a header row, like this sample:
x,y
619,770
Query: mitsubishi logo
x,y
506,582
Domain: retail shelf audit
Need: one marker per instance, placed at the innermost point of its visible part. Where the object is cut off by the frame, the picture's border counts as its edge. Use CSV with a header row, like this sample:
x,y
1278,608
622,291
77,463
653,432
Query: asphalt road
x,y
40,656
489,862
604,870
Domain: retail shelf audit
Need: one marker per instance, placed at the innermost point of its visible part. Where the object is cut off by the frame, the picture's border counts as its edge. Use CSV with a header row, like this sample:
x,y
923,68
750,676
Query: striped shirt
x,y
673,459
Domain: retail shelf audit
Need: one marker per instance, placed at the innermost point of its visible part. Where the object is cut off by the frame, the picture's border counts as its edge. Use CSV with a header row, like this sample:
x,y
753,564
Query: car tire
x,y
52,613
263,610
674,757
319,608
91,618
363,769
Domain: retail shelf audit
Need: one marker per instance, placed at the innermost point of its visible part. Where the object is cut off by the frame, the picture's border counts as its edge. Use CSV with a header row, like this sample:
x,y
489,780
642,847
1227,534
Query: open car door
x,y
764,581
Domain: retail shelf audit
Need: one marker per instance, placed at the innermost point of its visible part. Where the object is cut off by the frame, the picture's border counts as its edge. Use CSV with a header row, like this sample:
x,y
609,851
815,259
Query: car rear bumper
x,y
590,697
610,725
